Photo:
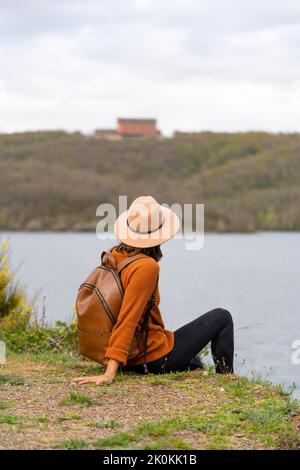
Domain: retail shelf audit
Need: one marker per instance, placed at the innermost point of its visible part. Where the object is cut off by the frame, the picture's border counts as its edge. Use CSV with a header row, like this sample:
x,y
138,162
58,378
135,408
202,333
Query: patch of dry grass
x,y
41,408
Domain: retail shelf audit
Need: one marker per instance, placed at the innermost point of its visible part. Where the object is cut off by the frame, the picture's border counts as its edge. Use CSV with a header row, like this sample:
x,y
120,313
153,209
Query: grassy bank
x,y
41,408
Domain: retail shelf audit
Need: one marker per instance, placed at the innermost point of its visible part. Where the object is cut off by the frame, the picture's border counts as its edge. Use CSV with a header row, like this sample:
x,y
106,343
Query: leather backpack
x,y
98,304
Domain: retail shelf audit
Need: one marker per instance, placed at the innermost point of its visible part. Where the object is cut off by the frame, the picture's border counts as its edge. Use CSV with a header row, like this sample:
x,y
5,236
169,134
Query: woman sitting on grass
x,y
142,229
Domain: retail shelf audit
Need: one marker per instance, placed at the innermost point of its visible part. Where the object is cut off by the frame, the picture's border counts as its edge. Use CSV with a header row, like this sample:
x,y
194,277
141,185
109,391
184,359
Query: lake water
x,y
255,276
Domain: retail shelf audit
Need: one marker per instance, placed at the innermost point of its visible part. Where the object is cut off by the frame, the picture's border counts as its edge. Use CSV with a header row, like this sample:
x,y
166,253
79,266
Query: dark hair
x,y
154,251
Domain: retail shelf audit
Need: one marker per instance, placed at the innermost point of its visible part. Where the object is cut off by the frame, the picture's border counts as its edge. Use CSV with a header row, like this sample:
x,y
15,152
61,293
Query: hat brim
x,y
167,231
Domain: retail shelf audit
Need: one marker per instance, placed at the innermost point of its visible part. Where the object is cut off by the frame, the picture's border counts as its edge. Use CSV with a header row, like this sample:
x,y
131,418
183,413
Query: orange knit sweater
x,y
138,279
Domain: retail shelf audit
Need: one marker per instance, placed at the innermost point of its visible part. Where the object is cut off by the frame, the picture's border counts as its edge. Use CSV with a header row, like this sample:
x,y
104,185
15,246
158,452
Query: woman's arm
x,y
107,377
138,292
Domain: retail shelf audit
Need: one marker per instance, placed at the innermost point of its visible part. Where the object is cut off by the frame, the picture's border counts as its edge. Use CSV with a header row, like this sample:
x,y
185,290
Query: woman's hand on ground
x,y
97,379
106,378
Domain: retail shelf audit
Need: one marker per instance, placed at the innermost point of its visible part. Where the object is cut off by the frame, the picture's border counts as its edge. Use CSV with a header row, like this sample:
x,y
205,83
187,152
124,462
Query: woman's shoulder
x,y
143,269
146,263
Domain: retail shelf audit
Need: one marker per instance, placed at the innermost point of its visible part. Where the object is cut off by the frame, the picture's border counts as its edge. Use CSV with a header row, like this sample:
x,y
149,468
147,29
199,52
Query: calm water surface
x,y
255,276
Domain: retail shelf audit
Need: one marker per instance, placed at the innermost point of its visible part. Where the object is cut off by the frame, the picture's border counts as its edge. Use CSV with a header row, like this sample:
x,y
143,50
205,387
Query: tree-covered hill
x,y
55,180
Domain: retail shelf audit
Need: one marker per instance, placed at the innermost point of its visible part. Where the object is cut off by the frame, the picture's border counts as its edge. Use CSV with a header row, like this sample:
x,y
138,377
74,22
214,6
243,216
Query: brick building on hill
x,y
127,127
137,127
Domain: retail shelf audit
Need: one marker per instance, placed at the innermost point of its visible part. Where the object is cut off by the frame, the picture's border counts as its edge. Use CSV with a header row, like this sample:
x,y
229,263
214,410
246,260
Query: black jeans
x,y
215,327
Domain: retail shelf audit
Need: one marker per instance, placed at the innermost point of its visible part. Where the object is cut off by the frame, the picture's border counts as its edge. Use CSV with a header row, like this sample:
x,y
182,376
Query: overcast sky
x,y
193,64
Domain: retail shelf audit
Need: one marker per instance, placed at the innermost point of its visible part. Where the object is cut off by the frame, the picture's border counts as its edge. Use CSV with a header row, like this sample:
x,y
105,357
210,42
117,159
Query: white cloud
x,y
194,64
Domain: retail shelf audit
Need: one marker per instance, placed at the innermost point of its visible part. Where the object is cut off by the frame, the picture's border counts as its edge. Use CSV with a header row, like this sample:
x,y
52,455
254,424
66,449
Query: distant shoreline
x,y
56,180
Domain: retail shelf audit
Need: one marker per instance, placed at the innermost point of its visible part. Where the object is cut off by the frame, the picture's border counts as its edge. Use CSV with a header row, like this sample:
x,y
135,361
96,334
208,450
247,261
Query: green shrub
x,y
15,309
35,338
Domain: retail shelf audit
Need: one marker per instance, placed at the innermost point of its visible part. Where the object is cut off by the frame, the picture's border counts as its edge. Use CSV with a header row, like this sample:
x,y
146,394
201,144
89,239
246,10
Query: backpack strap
x,y
107,258
129,260
149,306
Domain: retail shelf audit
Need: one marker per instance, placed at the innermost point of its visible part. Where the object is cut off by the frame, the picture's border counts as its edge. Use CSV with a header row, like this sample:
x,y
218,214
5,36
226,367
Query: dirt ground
x,y
40,408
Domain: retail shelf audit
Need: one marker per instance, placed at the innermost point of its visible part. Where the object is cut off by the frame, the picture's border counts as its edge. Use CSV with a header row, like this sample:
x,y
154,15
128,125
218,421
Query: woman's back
x,y
139,280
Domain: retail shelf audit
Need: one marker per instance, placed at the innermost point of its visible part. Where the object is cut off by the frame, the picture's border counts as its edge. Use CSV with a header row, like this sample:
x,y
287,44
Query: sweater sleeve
x,y
137,293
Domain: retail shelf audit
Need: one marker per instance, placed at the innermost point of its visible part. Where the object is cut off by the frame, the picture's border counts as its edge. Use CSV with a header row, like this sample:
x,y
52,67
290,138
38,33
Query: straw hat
x,y
146,223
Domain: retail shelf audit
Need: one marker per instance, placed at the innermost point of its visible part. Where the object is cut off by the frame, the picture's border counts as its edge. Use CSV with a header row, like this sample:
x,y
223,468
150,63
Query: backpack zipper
x,y
115,276
101,298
